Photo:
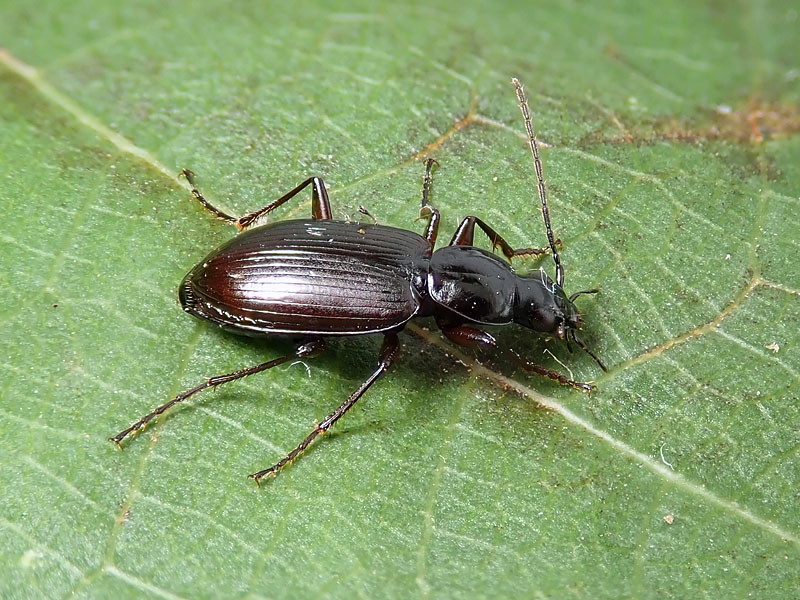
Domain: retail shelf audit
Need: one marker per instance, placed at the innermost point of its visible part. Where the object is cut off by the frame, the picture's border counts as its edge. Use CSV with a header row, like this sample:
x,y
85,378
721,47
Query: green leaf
x,y
672,161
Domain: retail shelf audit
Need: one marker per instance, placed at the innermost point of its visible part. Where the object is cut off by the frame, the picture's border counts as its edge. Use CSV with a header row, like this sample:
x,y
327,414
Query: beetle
x,y
310,279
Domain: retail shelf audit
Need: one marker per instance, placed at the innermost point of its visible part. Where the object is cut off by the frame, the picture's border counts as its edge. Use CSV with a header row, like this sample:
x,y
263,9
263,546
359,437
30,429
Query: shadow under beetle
x,y
310,279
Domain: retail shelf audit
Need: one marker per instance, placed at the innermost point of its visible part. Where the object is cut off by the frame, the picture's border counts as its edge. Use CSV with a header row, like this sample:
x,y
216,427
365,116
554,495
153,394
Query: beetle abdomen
x,y
310,277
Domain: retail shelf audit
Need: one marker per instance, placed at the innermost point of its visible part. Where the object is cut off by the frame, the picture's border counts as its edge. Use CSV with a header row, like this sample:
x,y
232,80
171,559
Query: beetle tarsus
x,y
189,175
257,477
366,212
550,373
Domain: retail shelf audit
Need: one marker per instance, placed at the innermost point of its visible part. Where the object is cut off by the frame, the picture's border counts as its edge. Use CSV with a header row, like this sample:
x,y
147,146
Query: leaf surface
x,y
672,161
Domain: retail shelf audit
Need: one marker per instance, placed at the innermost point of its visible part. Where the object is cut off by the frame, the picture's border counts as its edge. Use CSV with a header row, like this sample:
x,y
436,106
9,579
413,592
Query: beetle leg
x,y
465,236
470,337
552,374
320,205
388,355
206,204
366,213
308,349
428,211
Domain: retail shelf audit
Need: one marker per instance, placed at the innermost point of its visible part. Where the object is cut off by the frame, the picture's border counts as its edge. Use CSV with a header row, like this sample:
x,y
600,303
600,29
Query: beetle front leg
x,y
551,373
388,355
465,236
320,204
308,349
471,337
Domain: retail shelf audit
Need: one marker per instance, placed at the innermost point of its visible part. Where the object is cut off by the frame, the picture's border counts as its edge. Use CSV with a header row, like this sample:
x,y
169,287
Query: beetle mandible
x,y
317,278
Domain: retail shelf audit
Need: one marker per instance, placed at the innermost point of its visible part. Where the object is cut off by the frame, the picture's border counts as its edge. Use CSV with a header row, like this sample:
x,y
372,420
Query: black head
x,y
541,303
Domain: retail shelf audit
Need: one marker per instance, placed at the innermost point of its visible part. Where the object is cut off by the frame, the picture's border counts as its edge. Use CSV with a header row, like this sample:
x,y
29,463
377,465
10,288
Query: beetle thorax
x,y
474,284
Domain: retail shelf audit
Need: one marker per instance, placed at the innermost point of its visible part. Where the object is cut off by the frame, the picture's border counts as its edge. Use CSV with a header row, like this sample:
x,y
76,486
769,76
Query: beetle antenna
x,y
526,114
585,348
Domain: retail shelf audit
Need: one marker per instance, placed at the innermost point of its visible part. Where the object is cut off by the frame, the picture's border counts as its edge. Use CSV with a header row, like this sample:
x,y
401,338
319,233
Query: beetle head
x,y
542,305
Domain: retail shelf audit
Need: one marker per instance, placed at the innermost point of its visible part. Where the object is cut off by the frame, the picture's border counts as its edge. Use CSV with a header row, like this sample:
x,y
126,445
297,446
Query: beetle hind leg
x,y
189,175
320,204
305,350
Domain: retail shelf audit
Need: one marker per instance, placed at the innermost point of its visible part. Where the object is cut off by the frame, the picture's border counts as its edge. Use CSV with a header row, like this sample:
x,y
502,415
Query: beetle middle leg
x,y
320,205
426,211
305,350
471,337
465,236
388,355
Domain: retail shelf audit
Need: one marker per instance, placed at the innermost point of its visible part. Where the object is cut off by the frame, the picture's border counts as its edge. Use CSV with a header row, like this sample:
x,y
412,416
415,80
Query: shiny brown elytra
x,y
316,278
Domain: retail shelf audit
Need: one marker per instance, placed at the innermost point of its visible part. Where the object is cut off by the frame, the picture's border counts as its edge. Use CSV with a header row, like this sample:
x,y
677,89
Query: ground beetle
x,y
311,279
